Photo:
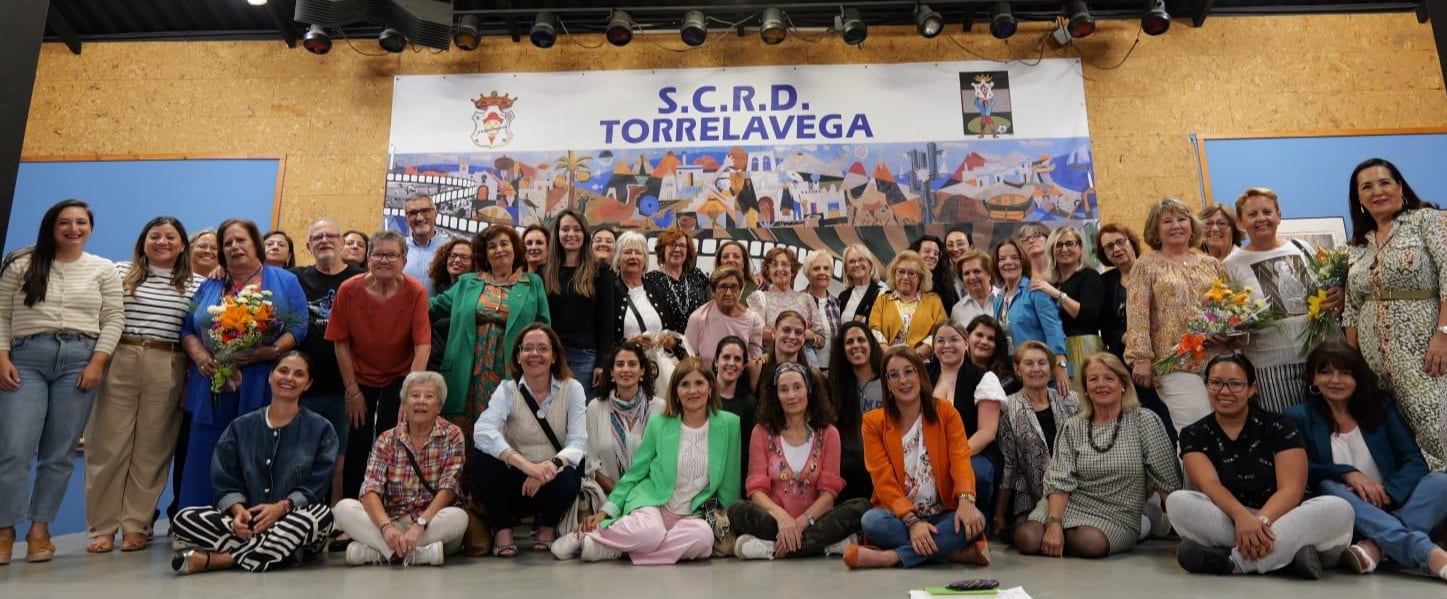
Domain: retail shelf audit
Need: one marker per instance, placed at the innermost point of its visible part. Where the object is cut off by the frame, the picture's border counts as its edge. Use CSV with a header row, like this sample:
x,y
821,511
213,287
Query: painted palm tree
x,y
577,168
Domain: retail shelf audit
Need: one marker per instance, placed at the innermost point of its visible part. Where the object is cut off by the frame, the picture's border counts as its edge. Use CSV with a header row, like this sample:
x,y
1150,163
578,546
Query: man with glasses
x,y
423,238
725,315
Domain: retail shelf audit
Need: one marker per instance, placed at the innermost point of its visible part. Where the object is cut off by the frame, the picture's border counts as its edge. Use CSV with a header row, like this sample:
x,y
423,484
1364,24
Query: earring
x,y
1313,389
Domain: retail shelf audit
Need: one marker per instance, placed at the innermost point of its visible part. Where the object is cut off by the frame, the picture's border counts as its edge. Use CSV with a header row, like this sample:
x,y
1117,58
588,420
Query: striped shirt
x,y
82,297
156,310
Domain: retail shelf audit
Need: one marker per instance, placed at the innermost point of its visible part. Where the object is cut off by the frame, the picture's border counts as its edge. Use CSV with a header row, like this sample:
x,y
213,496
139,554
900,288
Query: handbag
x,y
716,514
477,541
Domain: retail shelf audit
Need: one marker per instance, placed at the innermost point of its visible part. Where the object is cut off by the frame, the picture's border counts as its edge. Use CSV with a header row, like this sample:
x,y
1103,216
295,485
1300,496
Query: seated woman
x,y
977,396
989,349
530,442
270,470
411,483
1250,466
1361,450
794,477
1027,437
855,389
924,487
1107,458
730,364
790,330
616,422
688,457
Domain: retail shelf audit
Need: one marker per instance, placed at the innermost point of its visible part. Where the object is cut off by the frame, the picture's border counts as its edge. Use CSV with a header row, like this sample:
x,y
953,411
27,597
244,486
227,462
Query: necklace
x,y
1090,434
240,283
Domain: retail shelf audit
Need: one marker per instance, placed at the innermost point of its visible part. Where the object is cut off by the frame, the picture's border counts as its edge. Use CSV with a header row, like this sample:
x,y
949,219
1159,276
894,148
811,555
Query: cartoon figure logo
x,y
492,122
985,103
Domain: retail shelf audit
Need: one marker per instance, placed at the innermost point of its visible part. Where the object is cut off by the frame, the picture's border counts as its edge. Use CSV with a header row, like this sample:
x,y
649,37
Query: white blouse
x,y
692,469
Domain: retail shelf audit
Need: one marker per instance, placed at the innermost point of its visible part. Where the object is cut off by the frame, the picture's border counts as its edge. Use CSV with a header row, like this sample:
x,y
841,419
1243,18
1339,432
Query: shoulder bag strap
x,y
538,414
418,469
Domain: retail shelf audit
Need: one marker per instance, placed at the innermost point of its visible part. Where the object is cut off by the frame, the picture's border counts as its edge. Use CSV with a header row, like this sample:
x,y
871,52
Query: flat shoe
x,y
135,541
181,563
7,547
39,550
101,545
851,557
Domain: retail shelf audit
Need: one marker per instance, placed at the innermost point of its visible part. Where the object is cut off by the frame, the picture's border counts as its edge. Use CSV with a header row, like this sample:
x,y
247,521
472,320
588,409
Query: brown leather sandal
x,y
101,545
135,541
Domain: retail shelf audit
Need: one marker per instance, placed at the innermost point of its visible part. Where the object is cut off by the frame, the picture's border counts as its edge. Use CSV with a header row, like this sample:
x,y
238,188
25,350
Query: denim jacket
x,y
255,464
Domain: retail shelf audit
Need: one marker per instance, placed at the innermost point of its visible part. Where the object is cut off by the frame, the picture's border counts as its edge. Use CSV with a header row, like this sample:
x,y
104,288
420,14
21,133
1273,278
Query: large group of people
x,y
410,395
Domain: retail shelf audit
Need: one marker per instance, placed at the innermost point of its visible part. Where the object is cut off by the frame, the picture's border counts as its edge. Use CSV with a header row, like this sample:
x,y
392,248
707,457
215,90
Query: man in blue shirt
x,y
423,239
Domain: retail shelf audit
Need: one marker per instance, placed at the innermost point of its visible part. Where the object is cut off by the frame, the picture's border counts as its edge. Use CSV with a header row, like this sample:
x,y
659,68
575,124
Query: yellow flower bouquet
x,y
1226,310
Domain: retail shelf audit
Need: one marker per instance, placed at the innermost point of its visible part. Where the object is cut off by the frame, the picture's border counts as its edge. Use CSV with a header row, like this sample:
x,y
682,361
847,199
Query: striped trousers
x,y
1280,387
302,532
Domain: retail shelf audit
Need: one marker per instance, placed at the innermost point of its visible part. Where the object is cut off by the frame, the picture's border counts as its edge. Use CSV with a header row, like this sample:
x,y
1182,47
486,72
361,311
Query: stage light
x,y
1002,21
620,28
1081,23
391,40
256,2
772,28
694,31
851,27
1157,20
545,30
928,21
467,34
316,40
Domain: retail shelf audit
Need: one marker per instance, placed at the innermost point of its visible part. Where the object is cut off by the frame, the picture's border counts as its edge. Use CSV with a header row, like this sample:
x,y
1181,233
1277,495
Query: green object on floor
x,y
947,591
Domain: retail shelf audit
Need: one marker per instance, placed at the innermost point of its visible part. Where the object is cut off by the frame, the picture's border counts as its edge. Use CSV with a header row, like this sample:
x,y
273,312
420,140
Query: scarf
x,y
620,414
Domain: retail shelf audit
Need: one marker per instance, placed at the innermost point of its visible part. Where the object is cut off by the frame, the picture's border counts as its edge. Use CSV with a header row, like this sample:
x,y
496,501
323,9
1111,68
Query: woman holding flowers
x,y
268,303
1164,286
1277,271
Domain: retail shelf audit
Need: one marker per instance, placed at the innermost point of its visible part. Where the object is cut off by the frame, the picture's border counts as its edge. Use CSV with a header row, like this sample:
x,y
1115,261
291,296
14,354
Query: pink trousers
x,y
655,537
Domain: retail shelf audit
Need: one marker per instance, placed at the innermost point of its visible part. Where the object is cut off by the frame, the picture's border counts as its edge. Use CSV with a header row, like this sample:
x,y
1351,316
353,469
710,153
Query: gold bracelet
x,y
1056,519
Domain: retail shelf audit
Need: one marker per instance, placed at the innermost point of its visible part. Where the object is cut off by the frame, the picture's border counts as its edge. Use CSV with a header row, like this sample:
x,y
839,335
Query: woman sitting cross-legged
x,y
794,476
688,456
531,441
1107,458
1250,466
924,488
1027,437
270,469
1362,451
411,483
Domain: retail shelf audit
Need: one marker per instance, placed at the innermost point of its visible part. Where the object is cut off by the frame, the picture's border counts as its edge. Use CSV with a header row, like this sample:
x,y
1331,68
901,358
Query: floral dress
x,y
490,362
1393,332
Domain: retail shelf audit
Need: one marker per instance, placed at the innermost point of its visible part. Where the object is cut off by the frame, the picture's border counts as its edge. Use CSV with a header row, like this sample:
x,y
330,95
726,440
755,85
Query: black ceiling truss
x,y
57,23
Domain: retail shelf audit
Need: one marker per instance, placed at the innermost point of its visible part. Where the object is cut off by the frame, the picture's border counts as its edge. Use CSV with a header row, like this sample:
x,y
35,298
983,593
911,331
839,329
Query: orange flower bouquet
x,y
1226,310
240,323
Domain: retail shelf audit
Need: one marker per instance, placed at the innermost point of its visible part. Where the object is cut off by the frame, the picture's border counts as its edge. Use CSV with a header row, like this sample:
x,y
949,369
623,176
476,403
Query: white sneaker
x,y
566,546
594,551
752,547
361,554
426,555
838,548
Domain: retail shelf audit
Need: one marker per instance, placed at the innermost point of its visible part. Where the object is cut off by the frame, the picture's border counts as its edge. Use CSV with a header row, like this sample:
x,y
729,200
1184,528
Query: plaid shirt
x,y
391,476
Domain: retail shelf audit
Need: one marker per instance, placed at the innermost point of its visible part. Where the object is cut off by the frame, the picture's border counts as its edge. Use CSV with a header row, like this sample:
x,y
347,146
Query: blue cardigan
x,y
1391,444
1034,316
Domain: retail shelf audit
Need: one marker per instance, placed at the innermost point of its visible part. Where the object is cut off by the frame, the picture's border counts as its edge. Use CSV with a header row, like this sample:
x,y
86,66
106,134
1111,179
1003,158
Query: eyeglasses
x,y
682,245
420,212
1235,386
385,256
1067,244
459,257
1217,224
906,274
324,236
908,371
727,288
536,349
1119,243
1032,236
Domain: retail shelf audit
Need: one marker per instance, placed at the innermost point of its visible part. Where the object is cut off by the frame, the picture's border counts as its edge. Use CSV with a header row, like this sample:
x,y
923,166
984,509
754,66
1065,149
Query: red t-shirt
x,y
382,334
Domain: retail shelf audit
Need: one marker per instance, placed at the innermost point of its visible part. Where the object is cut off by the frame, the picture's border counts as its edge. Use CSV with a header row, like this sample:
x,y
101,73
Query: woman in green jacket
x,y
488,311
688,456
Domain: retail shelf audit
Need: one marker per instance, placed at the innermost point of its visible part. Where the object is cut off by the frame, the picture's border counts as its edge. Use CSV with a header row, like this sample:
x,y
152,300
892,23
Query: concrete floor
x,y
1149,571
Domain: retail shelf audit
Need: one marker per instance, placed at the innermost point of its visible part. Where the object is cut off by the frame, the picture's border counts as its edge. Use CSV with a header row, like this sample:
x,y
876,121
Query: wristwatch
x,y
422,521
1061,362
1442,329
811,520
557,461
970,497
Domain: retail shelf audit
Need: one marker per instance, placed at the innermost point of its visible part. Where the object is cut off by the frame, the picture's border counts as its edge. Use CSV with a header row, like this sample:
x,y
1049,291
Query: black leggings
x,y
383,403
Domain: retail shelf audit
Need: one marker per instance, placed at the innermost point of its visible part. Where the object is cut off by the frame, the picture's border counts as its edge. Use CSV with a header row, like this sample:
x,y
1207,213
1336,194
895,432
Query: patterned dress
x,y
1161,294
489,363
1393,333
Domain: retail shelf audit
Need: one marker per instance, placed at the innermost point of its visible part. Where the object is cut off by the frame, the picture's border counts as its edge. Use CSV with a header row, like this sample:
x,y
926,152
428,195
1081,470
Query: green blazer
x,y
651,478
526,303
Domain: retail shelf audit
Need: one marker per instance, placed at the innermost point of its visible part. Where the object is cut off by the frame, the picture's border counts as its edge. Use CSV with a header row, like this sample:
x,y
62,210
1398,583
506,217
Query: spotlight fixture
x,y
391,40
772,28
1081,23
851,27
545,30
928,21
1002,21
467,34
1157,20
316,40
620,28
695,28
256,2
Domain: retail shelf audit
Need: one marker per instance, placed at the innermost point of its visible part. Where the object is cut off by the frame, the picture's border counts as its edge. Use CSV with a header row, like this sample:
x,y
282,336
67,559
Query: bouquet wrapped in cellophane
x,y
1329,267
1226,310
242,322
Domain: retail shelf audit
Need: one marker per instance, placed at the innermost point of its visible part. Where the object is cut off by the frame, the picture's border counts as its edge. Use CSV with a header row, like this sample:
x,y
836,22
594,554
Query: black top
x,y
1046,418
583,322
1085,287
320,290
679,297
744,405
965,382
1112,313
866,304
1247,465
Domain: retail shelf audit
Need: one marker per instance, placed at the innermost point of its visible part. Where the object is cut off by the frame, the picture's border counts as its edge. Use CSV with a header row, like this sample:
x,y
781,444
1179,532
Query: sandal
x,y
181,562
101,545
7,548
508,550
39,550
135,541
542,545
1358,561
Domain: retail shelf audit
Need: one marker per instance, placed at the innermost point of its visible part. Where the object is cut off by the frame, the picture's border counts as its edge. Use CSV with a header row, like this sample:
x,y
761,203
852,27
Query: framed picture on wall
x,y
1326,232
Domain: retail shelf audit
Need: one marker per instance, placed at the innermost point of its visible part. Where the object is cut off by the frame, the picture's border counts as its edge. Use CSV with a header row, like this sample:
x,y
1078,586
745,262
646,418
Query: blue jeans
x,y
984,486
581,362
334,409
888,532
42,420
1405,533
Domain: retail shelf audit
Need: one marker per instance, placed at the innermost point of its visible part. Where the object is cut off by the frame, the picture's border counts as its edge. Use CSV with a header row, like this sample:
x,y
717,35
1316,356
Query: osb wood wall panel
x,y
330,114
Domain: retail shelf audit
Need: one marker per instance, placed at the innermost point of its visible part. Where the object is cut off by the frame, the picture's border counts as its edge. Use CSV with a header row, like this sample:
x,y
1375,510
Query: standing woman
x,y
1078,289
580,297
605,239
451,261
242,267
1395,313
1031,238
535,248
788,347
61,315
906,315
279,249
487,312
205,252
724,316
957,242
733,253
862,272
730,363
355,246
941,274
977,278
1164,286
1026,314
137,416
1222,236
680,284
380,328
616,422
688,456
855,389
1027,437
640,305
988,349
781,267
819,270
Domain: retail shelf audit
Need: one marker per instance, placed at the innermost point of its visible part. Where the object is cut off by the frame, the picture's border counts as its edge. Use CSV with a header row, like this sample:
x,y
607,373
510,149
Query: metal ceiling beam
x,y
1200,11
60,25
281,15
20,33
